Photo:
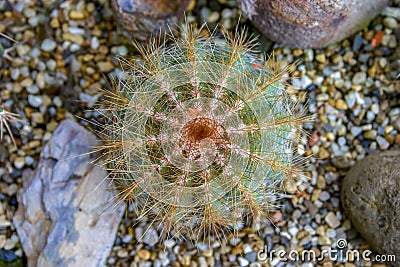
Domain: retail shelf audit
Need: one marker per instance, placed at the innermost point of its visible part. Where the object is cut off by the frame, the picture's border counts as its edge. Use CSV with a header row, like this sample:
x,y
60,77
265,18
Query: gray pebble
x,y
308,55
324,196
392,12
94,43
243,262
359,78
204,13
305,82
48,45
355,130
35,100
32,89
29,160
382,142
127,239
150,237
351,99
358,41
14,73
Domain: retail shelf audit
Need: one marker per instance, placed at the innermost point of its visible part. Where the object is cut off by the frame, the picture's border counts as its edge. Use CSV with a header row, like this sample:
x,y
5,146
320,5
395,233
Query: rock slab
x,y
370,196
66,215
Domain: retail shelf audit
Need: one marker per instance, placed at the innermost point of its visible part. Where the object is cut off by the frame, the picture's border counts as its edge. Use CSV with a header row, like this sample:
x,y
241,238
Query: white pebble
x,y
48,45
35,101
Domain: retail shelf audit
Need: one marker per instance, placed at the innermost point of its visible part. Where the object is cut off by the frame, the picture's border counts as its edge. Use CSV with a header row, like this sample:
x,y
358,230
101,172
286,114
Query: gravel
x,y
64,54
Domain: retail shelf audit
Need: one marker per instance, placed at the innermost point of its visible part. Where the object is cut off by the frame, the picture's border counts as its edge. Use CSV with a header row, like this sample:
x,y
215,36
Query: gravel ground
x,y
66,48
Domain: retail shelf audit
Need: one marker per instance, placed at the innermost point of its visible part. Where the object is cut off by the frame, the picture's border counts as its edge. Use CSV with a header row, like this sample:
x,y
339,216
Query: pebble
x,y
321,58
382,142
35,101
371,134
78,39
76,15
105,66
305,82
355,130
392,12
351,99
213,17
48,45
144,254
358,41
341,104
33,89
94,43
27,82
37,117
359,78
243,261
19,162
150,237
127,239
122,253
14,73
332,220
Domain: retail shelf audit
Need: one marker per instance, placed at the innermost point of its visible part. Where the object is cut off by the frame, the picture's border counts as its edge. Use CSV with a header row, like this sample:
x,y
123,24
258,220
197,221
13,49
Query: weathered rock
x,y
310,23
65,216
371,197
140,19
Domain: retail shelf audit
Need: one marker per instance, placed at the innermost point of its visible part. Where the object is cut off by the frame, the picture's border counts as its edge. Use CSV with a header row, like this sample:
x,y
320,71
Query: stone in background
x,y
371,197
66,215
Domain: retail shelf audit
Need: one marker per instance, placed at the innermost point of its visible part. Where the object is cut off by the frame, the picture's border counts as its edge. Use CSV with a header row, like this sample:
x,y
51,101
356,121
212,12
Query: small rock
x,y
321,58
243,261
37,117
359,78
76,15
48,45
78,39
122,253
105,66
19,162
305,81
340,104
323,153
392,12
35,100
332,220
144,254
382,142
150,237
355,130
371,134
214,17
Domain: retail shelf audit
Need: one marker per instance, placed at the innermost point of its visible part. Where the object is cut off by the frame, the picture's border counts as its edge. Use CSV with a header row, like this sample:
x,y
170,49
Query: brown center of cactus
x,y
201,133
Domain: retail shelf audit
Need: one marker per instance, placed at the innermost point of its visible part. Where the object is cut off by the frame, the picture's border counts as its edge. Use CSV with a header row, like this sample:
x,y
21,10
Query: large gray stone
x,y
310,23
371,197
142,20
66,215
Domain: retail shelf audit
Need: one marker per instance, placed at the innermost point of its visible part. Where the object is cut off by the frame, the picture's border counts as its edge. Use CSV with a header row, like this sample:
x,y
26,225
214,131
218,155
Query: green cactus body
x,y
203,138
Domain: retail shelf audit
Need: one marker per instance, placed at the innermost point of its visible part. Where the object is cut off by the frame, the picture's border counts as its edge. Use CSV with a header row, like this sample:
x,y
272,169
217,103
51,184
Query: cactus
x,y
5,118
200,134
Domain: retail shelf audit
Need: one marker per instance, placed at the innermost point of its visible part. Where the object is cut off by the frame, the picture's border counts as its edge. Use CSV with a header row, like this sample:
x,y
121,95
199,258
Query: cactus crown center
x,y
201,132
